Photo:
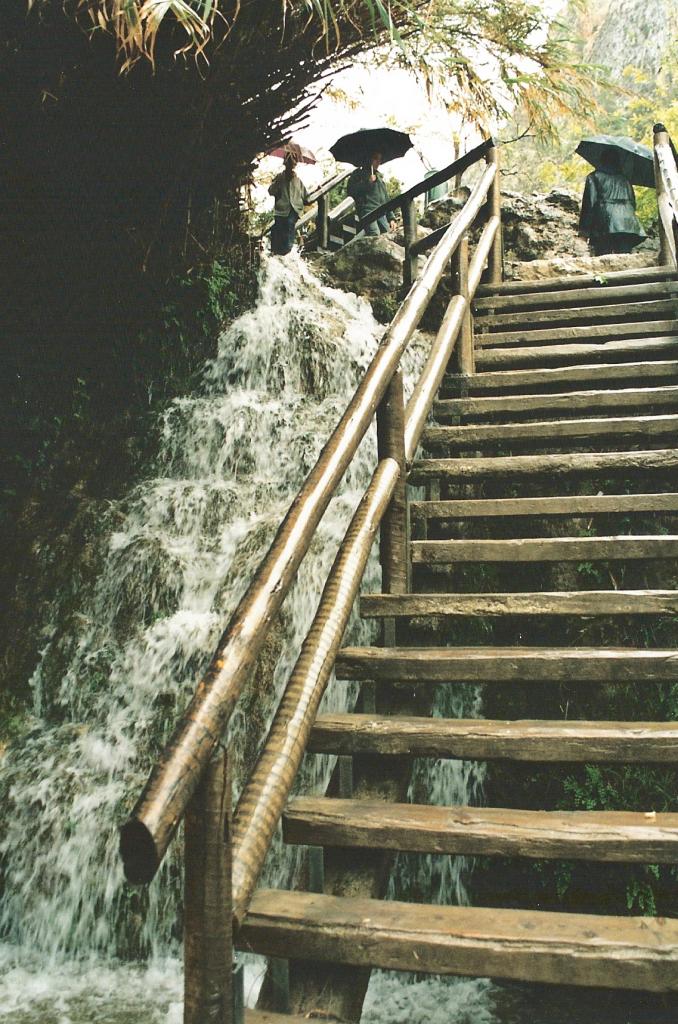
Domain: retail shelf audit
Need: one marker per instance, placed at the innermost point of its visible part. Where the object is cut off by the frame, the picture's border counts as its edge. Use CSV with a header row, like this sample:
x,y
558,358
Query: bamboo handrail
x,y
666,178
423,395
146,835
265,795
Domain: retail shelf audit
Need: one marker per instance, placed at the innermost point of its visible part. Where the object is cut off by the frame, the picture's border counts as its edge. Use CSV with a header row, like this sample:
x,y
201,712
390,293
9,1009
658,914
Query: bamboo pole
x,y
322,223
464,351
426,389
666,184
481,253
394,532
146,835
495,270
208,938
408,211
266,793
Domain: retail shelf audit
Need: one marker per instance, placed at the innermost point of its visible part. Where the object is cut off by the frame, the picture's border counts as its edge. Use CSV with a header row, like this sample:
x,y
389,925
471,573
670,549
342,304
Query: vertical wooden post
x,y
208,938
661,137
323,222
394,545
465,357
408,211
393,542
495,268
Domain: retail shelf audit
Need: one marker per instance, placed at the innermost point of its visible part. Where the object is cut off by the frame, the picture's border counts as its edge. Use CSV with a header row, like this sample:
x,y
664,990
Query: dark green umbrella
x,y
358,147
633,159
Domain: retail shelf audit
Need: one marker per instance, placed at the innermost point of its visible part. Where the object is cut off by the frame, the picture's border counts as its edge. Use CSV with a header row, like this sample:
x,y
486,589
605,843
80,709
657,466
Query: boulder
x,y
372,267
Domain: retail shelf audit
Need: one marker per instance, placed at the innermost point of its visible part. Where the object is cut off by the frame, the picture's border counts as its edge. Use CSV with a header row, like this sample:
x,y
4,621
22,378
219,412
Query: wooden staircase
x,y
544,520
550,458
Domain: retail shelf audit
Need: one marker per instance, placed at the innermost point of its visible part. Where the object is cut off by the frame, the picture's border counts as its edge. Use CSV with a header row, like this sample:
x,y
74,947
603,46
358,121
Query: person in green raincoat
x,y
608,210
368,190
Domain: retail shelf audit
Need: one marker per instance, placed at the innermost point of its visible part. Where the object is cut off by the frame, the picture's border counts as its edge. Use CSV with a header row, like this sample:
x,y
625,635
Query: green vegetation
x,y
631,106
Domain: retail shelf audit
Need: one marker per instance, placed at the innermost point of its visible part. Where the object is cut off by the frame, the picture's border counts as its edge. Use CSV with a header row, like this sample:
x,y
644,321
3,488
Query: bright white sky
x,y
381,96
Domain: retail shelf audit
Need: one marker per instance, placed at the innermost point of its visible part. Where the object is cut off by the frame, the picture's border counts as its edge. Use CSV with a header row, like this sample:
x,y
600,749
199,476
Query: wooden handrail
x,y
666,180
145,837
451,171
265,795
426,388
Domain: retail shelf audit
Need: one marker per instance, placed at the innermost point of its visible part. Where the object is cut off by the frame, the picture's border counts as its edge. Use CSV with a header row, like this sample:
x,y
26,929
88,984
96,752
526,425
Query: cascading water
x,y
121,662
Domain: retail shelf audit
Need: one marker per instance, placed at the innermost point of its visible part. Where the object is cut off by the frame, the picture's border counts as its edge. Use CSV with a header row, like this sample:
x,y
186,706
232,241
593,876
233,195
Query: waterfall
x,y
122,657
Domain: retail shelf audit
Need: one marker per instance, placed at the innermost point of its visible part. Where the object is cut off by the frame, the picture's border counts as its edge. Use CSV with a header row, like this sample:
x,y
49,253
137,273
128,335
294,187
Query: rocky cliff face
x,y
632,32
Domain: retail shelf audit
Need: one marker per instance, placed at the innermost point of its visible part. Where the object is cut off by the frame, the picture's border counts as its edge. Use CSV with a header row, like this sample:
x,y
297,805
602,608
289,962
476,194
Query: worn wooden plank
x,y
577,949
588,333
654,309
484,831
264,1017
544,432
575,281
521,465
548,353
485,740
614,293
507,664
543,549
578,602
614,398
568,505
556,375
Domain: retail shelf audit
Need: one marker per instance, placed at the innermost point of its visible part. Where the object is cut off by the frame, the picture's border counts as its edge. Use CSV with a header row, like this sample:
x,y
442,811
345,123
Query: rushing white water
x,y
121,660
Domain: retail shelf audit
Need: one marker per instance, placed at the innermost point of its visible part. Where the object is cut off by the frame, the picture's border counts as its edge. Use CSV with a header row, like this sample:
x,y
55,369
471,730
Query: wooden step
x,y
605,295
640,312
522,465
577,949
483,831
523,356
543,549
265,1017
483,740
555,376
507,664
578,602
569,505
568,401
586,334
545,432
578,281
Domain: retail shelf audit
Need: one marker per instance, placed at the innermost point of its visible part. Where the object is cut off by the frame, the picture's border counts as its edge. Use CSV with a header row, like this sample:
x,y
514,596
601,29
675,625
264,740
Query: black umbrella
x,y
358,147
633,159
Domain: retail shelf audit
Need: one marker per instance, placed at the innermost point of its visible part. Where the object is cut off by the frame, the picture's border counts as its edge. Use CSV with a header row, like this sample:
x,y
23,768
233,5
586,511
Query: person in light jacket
x,y
608,211
290,198
367,188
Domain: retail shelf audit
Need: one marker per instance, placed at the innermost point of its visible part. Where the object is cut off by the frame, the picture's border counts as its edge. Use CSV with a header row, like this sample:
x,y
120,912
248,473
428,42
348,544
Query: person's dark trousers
x,y
283,232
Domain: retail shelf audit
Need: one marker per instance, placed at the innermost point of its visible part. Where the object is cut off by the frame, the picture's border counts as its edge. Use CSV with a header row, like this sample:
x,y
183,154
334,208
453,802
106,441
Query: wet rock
x,y
372,267
565,266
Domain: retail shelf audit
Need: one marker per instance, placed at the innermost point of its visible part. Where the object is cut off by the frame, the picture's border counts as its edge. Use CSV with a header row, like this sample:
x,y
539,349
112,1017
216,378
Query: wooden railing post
x,y
465,356
665,258
408,211
208,928
322,222
495,269
394,536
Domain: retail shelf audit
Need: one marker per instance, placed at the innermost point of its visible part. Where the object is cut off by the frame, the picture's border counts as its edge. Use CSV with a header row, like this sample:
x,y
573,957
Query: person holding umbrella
x,y
290,198
608,212
367,188
368,149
